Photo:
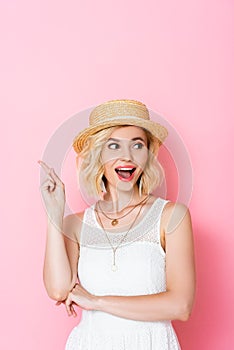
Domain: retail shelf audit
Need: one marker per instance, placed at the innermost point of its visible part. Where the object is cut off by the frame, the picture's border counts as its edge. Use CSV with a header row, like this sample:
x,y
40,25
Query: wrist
x,y
98,303
55,220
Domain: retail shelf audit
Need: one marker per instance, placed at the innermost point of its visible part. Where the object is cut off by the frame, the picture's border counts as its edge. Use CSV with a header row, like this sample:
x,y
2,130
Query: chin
x,y
125,186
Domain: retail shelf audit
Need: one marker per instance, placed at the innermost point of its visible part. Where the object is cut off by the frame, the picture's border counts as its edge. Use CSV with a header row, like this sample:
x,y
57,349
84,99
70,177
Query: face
x,y
124,156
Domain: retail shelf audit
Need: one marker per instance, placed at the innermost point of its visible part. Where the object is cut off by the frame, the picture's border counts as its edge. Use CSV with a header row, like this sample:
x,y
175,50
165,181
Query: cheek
x,y
107,156
141,159
108,169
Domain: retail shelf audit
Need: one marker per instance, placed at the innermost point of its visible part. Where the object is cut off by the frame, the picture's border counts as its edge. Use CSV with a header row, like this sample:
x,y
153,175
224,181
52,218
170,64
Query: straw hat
x,y
119,112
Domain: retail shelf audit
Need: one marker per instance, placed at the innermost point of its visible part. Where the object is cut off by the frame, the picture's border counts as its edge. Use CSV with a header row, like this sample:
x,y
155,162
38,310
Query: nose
x,y
126,153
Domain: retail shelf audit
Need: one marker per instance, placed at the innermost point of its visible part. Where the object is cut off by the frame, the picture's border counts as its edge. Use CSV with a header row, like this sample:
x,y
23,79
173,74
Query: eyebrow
x,y
112,139
138,138
134,139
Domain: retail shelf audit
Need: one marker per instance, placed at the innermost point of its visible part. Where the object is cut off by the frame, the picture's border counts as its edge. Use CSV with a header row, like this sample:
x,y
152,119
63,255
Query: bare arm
x,y
61,258
62,249
176,302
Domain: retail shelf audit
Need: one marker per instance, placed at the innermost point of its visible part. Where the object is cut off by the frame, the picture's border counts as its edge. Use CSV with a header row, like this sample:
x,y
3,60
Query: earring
x,y
103,187
140,187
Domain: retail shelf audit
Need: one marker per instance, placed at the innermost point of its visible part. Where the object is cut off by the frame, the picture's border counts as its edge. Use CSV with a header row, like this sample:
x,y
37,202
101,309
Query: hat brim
x,y
157,130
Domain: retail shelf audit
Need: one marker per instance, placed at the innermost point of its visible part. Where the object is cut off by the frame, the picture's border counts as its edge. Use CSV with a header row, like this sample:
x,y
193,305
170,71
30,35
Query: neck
x,y
117,200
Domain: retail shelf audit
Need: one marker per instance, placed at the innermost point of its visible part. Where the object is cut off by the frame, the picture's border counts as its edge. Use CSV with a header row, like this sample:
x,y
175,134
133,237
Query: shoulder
x,y
72,225
173,214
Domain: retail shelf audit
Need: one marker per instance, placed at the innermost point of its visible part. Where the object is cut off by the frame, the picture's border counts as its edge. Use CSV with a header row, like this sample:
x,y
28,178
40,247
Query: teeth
x,y
125,169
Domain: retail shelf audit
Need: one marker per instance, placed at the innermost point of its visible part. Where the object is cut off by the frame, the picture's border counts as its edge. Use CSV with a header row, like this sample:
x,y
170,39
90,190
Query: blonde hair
x,y
91,169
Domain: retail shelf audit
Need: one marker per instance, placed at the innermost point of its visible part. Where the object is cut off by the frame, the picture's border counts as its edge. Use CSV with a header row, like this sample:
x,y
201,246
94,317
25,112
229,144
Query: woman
x,y
132,252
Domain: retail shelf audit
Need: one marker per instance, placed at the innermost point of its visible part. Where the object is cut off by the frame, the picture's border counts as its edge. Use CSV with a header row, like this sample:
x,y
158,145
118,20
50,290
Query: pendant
x,y
114,268
114,222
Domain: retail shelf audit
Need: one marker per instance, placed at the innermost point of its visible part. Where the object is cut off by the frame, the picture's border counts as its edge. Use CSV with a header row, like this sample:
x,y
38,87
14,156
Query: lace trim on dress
x,y
148,229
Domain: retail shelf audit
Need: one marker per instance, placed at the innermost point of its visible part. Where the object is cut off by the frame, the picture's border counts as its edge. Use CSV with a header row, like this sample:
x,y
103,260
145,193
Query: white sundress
x,y
140,271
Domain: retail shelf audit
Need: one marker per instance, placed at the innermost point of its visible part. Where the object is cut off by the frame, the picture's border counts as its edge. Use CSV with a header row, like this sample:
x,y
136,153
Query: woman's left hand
x,y
80,297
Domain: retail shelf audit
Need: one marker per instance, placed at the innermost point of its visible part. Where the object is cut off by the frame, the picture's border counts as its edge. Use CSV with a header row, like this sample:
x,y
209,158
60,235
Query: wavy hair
x,y
91,169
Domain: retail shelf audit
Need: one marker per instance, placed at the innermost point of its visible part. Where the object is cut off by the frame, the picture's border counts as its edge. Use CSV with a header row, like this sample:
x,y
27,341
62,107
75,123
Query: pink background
x,y
61,57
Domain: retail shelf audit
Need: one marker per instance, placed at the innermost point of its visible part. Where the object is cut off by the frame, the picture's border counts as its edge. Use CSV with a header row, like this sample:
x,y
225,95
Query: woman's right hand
x,y
53,193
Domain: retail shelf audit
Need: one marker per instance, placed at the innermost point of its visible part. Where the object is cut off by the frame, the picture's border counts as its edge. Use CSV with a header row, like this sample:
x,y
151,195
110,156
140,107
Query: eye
x,y
138,145
113,145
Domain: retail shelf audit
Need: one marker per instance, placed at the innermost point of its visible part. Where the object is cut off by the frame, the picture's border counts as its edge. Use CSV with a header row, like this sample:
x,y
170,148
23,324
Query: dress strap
x,y
85,221
161,205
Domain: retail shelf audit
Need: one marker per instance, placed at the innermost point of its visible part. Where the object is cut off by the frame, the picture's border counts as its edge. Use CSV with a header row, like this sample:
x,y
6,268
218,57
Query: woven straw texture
x,y
119,112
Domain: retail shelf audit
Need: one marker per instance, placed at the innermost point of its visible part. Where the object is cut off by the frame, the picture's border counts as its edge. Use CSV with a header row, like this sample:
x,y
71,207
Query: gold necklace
x,y
114,266
115,221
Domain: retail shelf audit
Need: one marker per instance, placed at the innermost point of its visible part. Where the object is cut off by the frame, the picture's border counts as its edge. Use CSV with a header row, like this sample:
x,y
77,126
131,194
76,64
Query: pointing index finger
x,y
44,166
51,173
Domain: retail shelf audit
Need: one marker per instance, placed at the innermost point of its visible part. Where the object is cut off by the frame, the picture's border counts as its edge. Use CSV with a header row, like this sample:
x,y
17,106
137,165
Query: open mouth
x,y
125,173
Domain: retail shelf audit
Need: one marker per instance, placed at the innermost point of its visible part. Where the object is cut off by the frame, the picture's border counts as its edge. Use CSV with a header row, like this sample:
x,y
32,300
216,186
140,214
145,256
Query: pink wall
x,y
61,57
